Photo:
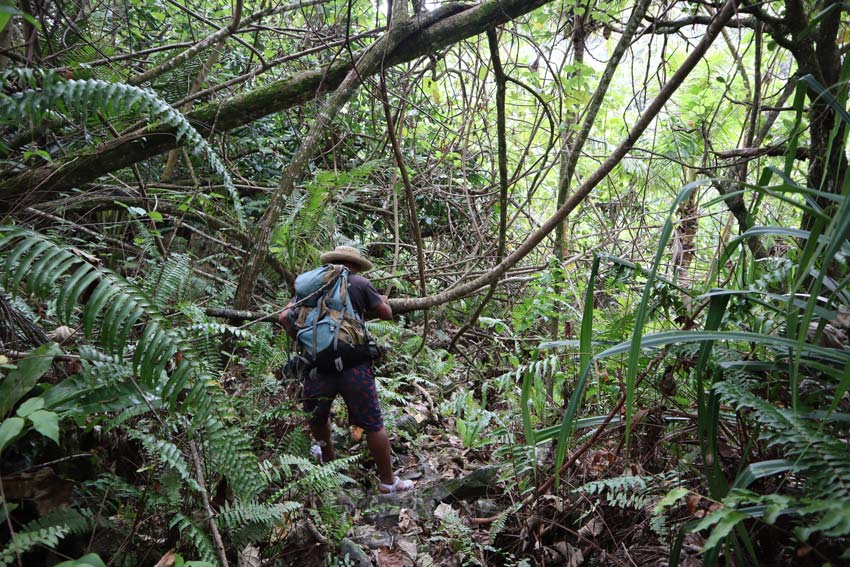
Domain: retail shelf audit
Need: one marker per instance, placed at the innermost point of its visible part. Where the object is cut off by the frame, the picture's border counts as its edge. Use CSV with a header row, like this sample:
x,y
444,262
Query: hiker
x,y
355,382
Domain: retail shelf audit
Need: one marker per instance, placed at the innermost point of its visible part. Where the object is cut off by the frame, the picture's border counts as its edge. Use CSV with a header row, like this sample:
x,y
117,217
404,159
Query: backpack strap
x,y
346,301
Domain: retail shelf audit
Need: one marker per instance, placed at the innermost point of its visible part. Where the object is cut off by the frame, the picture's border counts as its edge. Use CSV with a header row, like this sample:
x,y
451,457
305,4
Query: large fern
x,y
47,531
818,456
91,95
137,358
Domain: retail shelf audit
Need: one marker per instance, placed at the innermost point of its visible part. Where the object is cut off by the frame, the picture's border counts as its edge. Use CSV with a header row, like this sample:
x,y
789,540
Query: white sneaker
x,y
316,453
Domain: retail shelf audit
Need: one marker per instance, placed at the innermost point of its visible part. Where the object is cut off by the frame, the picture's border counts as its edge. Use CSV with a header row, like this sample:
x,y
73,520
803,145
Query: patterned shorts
x,y
357,386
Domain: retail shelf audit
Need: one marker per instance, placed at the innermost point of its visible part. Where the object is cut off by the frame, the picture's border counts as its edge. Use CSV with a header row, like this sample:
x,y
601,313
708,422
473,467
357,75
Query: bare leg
x,y
379,446
322,433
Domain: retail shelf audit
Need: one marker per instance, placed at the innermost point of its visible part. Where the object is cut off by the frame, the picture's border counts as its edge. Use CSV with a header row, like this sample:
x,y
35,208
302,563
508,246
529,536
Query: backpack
x,y
329,333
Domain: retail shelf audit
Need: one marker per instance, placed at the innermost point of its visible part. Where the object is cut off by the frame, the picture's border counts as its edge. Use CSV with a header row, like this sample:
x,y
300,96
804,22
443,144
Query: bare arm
x,y
283,319
383,310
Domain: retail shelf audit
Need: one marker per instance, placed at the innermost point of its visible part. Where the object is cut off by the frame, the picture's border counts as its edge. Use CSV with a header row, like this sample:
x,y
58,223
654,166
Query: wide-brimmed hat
x,y
346,254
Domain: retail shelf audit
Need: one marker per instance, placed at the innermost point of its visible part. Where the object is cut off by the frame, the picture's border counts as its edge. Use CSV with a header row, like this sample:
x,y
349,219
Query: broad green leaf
x,y
46,423
9,430
762,469
670,498
30,406
726,519
89,560
27,374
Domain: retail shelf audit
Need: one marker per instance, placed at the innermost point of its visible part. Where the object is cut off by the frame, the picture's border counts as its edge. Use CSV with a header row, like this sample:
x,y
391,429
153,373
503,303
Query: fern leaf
x,y
196,536
24,541
232,456
237,515
92,94
822,457
167,453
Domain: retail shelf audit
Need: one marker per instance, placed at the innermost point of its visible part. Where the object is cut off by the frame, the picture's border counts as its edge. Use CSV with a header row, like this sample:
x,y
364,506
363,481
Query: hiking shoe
x,y
398,485
316,453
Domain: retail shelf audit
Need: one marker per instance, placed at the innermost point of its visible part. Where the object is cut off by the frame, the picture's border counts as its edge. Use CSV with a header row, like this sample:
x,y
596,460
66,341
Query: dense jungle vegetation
x,y
614,236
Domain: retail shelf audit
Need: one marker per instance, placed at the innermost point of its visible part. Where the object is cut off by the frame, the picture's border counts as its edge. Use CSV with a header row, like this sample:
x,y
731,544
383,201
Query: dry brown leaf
x,y
407,522
249,557
572,555
602,460
692,502
47,489
804,550
408,548
591,529
389,558
167,560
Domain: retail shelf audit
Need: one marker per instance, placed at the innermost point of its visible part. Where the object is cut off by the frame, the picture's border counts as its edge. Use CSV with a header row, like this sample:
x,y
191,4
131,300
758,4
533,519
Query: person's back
x,y
355,382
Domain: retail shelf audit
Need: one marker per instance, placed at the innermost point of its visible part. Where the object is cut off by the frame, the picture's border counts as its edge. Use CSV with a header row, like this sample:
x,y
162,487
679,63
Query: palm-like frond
x,y
91,95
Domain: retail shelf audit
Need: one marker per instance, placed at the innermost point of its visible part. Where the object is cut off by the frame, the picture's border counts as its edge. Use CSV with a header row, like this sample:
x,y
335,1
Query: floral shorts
x,y
357,386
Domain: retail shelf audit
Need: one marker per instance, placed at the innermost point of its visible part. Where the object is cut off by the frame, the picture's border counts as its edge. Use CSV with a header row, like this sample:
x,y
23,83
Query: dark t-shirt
x,y
364,296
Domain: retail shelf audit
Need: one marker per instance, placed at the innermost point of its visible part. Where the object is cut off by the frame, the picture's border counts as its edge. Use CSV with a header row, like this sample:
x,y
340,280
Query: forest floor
x,y
465,510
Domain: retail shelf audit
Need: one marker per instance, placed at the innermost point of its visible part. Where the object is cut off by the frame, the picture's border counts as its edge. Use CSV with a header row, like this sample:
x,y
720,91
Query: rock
x,y
356,556
485,508
384,511
61,334
408,424
345,500
371,538
474,485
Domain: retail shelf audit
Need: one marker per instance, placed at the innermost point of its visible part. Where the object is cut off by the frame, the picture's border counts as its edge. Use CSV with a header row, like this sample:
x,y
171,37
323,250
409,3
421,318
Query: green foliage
x,y
473,423
92,96
47,531
169,455
196,536
317,479
168,285
48,537
644,494
814,451
545,301
26,374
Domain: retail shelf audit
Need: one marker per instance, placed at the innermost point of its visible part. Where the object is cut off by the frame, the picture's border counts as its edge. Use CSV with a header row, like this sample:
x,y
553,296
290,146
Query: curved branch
x,y
652,110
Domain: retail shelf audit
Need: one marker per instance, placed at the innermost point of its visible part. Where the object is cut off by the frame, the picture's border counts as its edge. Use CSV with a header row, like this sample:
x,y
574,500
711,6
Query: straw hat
x,y
342,254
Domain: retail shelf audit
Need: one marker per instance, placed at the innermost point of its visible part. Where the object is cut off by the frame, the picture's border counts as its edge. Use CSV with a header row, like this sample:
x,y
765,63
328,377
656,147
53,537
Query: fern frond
x,y
24,541
498,525
168,454
168,285
196,536
237,515
317,479
76,521
620,491
231,455
110,313
92,95
821,457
